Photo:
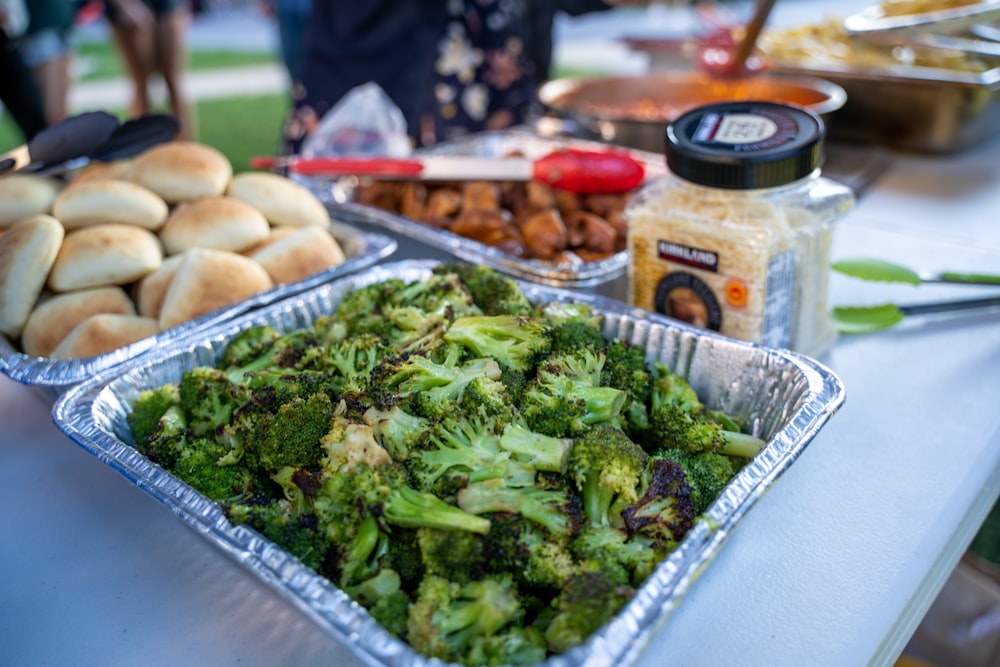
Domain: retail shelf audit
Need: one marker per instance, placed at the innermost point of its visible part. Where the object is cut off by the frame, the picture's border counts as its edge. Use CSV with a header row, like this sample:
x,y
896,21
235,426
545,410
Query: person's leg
x,y
170,58
47,55
135,45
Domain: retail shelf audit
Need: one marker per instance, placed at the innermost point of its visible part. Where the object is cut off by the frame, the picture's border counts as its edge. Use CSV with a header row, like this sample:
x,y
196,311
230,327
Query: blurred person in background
x,y
18,92
292,17
150,38
46,50
451,66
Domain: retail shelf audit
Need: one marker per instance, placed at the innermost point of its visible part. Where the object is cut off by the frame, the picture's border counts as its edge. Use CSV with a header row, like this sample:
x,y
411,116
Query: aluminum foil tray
x,y
786,397
54,376
339,195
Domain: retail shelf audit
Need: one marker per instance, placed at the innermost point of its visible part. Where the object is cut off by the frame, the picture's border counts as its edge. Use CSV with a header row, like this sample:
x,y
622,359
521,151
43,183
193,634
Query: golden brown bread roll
x,y
222,223
103,333
282,201
276,234
149,291
209,279
25,195
116,169
102,255
53,318
297,256
28,250
98,201
182,170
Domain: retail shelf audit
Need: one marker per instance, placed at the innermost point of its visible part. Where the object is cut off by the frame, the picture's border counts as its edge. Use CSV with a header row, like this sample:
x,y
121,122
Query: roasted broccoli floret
x,y
208,398
149,407
436,388
288,437
295,533
446,619
396,430
493,292
587,601
707,474
354,359
512,340
202,463
512,646
677,419
626,560
547,508
247,346
664,512
468,444
625,368
606,467
561,403
410,508
294,350
540,451
168,439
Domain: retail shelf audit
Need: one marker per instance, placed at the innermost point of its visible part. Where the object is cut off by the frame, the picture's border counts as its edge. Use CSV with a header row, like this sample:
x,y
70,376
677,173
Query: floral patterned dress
x,y
451,66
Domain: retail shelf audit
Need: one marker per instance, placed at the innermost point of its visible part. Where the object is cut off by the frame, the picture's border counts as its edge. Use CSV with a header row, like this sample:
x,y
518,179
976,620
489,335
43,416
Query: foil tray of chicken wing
x,y
527,230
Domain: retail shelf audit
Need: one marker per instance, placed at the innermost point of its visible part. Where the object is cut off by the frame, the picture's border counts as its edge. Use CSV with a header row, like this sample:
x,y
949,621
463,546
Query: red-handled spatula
x,y
579,171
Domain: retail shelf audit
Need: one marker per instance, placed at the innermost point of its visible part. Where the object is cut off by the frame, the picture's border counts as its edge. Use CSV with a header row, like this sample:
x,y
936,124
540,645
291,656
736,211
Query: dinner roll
x,y
53,318
109,254
276,234
28,250
94,202
149,291
282,201
103,333
222,223
182,170
25,195
209,279
116,169
296,256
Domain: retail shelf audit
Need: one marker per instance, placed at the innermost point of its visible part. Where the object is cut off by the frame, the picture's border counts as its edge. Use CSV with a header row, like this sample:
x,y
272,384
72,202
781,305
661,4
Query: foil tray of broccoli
x,y
495,472
54,376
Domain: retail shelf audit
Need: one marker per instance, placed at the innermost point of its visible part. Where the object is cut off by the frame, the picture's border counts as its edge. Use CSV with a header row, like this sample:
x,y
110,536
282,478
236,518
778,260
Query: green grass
x,y
100,60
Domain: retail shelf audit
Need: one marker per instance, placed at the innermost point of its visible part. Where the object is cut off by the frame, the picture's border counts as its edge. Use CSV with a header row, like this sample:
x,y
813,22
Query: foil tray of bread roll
x,y
53,376
605,276
786,397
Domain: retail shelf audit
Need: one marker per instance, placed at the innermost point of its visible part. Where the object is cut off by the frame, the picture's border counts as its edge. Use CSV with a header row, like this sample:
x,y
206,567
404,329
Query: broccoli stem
x,y
495,496
597,499
412,509
741,444
603,403
543,451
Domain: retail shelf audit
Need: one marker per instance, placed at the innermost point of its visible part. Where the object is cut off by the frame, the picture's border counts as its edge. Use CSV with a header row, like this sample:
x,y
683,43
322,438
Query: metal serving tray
x,y
914,108
417,240
786,397
54,376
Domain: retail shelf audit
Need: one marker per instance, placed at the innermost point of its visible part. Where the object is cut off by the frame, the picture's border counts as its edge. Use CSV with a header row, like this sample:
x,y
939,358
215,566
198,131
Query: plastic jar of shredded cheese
x,y
737,237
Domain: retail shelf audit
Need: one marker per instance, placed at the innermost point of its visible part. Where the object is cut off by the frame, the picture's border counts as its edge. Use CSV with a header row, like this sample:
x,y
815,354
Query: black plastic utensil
x,y
71,138
129,139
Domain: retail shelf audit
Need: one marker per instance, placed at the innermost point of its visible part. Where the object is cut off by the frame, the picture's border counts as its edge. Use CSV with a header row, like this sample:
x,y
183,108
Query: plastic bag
x,y
364,122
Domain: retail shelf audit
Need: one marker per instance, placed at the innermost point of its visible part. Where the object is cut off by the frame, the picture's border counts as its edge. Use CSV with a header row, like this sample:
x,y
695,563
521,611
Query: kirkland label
x,y
682,254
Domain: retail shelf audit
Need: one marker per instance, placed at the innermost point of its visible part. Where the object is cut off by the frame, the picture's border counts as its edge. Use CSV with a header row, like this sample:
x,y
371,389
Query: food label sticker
x,y
779,296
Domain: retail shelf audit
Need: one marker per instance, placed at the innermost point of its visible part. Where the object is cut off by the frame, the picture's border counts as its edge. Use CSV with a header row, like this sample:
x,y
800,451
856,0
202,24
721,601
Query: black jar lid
x,y
745,145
